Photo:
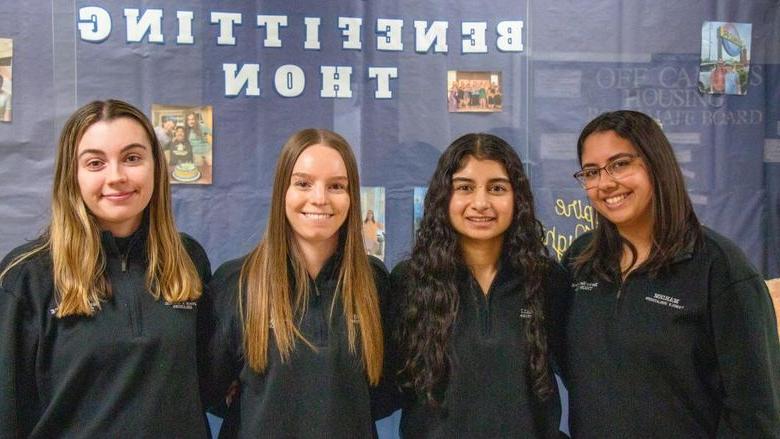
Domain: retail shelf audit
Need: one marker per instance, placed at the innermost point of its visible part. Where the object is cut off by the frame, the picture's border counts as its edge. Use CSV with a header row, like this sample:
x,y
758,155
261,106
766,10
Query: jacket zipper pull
x,y
124,264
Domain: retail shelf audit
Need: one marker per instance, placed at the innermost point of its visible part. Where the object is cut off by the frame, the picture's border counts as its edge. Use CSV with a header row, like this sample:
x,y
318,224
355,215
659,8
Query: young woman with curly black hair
x,y
473,331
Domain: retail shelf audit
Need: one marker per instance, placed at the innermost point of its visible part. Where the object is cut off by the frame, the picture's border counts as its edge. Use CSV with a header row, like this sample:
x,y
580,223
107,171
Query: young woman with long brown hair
x,y
474,339
298,319
670,331
98,315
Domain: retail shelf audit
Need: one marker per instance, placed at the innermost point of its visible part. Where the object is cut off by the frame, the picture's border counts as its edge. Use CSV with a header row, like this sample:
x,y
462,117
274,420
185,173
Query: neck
x,y
316,254
121,230
482,259
642,240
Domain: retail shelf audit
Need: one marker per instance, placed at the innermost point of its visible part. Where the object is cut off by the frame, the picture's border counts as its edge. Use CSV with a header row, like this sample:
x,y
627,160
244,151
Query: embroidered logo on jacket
x,y
525,313
660,299
584,286
182,305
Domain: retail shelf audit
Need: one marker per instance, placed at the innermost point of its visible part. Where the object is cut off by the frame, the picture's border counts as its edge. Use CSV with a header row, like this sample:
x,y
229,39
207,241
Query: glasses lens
x,y
621,167
587,177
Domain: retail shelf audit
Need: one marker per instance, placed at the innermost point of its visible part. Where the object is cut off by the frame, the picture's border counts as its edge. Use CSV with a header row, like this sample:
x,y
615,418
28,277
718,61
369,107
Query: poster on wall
x,y
6,58
725,57
473,91
372,202
185,134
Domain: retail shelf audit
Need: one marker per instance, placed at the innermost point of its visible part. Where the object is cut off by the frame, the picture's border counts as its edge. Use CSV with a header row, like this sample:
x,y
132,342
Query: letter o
x,y
289,81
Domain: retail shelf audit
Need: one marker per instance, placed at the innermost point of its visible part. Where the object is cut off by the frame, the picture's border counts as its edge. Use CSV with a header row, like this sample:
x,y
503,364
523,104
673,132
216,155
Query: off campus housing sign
x,y
273,32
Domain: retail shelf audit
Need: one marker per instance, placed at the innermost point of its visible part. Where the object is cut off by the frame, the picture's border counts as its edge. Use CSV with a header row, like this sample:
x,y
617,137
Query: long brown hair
x,y
270,298
675,225
73,236
431,302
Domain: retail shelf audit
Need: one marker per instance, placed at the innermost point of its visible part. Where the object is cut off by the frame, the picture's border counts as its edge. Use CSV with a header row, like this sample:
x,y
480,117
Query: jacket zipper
x,y
321,324
134,304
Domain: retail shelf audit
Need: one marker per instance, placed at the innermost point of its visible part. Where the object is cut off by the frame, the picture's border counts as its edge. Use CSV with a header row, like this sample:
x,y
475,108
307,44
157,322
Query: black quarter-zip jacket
x,y
692,352
488,392
129,370
322,393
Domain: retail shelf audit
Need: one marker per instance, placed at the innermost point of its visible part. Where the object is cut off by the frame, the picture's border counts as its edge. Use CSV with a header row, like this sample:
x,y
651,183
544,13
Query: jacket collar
x,y
124,246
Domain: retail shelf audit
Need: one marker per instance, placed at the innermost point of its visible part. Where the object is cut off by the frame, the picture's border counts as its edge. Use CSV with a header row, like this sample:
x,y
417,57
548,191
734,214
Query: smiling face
x,y
179,134
482,203
317,200
627,202
115,173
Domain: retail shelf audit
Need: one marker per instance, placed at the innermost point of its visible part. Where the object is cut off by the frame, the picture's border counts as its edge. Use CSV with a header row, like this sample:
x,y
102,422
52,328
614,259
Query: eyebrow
x,y
609,160
305,175
101,152
471,180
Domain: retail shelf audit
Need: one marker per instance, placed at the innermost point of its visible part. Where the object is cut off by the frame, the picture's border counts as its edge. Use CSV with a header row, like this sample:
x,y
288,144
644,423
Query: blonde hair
x,y
269,296
73,236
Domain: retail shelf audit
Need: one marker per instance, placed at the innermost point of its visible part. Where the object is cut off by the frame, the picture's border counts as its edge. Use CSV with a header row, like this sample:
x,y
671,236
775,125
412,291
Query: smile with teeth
x,y
614,200
317,216
480,219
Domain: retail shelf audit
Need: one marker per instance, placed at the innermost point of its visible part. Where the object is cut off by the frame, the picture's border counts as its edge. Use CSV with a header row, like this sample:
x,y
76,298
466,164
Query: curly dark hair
x,y
430,304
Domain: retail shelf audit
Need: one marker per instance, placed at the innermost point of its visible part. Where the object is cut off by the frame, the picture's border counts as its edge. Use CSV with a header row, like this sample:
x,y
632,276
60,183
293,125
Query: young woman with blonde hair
x,y
298,319
98,315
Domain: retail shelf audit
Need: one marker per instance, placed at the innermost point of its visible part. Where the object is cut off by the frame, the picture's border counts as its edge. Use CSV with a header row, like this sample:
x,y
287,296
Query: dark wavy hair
x,y
431,302
675,225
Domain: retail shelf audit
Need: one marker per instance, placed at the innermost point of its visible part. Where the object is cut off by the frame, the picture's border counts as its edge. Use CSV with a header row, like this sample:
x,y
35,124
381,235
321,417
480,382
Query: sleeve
x,y
745,337
9,356
220,338
384,398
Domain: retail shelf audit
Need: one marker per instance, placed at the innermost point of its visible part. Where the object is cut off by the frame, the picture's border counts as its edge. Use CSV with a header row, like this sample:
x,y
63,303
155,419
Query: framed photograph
x,y
474,92
725,58
372,202
185,134
6,78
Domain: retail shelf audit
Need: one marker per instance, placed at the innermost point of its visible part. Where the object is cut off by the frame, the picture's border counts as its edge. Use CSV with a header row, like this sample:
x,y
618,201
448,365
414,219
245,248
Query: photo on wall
x,y
419,202
476,92
372,202
725,58
185,134
6,79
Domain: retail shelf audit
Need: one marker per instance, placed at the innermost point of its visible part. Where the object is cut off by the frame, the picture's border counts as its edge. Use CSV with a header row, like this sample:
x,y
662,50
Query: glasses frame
x,y
578,175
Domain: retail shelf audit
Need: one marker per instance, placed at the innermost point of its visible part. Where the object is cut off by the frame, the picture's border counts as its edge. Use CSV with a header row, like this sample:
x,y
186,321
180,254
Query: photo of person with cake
x,y
181,157
189,147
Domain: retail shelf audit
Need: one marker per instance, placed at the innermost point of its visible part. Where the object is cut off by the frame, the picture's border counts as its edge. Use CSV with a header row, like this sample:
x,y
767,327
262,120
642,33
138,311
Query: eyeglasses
x,y
621,167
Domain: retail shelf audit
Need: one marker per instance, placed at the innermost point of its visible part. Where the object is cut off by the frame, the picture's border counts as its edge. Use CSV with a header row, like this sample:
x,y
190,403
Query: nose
x,y
481,201
116,174
319,194
606,181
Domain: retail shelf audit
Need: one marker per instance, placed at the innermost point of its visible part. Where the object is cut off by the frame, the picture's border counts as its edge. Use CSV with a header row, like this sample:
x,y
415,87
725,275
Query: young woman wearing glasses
x,y
474,322
670,331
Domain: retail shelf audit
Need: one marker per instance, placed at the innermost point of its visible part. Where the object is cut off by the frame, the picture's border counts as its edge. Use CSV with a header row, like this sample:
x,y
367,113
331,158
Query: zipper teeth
x,y
124,257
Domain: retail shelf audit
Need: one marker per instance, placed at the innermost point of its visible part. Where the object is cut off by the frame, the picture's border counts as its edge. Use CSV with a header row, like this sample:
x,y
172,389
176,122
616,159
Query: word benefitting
x,y
95,26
